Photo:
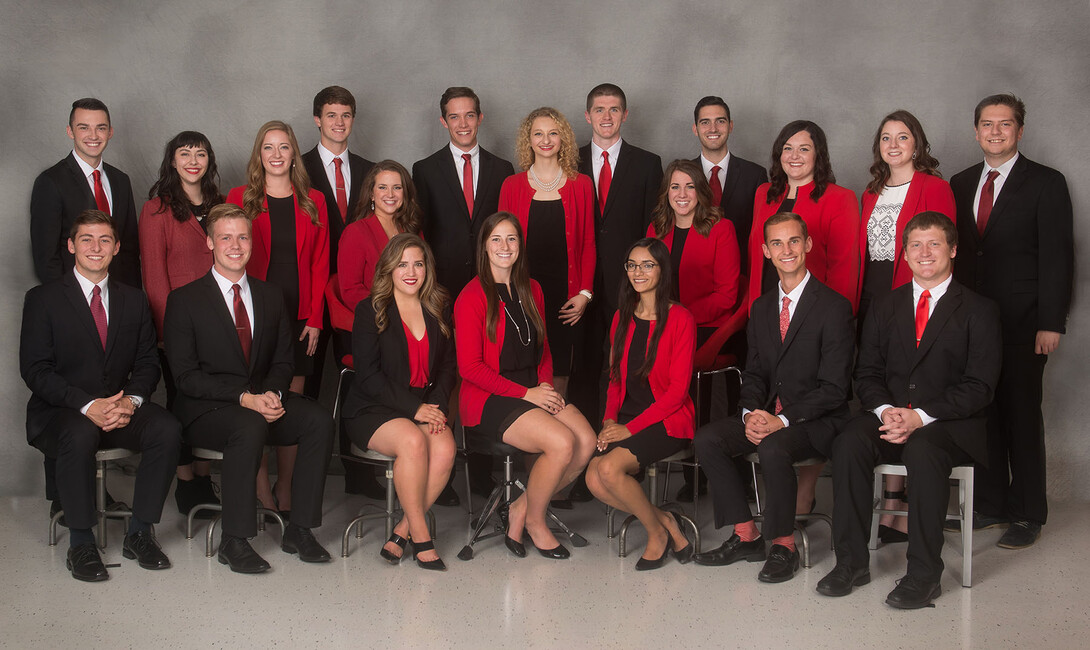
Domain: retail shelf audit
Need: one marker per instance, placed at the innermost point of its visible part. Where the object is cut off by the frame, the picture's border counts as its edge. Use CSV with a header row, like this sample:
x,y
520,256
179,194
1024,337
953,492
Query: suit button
x,y
980,253
912,387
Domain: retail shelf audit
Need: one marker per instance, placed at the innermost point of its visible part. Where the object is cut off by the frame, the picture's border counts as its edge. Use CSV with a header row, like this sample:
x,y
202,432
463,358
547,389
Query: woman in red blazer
x,y
392,209
649,415
507,391
802,182
174,252
291,251
703,249
905,181
554,204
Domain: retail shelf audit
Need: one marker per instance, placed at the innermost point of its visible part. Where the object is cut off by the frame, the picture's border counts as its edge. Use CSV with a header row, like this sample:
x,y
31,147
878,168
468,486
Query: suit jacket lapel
x,y
728,186
454,183
218,306
82,310
261,305
486,179
81,183
620,172
357,184
905,326
946,307
117,307
806,302
1010,188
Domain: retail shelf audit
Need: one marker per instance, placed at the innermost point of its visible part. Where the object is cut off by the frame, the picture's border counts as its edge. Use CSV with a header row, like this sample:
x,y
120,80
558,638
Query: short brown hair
x,y
90,218
333,95
222,212
607,90
88,104
785,217
454,92
1002,99
931,219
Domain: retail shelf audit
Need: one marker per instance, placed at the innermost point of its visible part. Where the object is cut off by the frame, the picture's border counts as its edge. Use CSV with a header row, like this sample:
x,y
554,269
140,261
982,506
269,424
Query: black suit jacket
x,y
951,375
382,364
810,370
633,191
204,352
447,225
60,353
743,179
357,169
60,193
1025,260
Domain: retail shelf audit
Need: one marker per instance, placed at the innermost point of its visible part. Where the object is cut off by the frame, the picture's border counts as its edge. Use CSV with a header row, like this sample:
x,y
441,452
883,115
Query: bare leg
x,y
403,439
585,441
201,468
185,472
538,432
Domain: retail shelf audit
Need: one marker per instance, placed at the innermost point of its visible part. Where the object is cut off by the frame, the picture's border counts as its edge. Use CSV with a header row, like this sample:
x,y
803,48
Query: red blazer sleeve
x,y
579,219
713,289
762,210
153,259
672,371
839,228
356,267
513,195
314,261
471,341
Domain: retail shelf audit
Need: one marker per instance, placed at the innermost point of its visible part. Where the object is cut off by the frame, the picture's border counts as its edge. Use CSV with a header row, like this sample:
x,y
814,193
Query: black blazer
x,y
810,370
1025,260
382,364
633,191
357,168
61,357
447,225
951,375
743,179
204,352
60,193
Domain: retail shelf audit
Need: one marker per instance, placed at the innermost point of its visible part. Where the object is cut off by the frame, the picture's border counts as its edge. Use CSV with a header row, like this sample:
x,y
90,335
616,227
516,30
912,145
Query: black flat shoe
x,y
645,564
142,547
841,579
733,550
684,555
781,566
1021,534
890,535
86,564
912,593
237,553
390,557
301,540
431,565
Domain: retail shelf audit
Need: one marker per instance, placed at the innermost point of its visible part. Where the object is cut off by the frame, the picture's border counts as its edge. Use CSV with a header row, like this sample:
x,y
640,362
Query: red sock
x,y
786,540
747,531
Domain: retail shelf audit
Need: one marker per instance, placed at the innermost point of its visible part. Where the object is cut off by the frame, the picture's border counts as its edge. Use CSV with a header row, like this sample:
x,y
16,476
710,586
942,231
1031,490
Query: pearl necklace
x,y
543,186
525,343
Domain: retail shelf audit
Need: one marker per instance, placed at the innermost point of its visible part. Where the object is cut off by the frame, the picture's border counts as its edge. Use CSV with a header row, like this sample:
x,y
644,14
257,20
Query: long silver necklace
x,y
525,343
551,185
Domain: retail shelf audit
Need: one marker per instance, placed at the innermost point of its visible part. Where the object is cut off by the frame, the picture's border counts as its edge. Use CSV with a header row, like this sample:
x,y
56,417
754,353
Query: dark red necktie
x,y
605,177
342,196
717,187
921,314
785,322
98,312
242,323
100,193
987,198
467,181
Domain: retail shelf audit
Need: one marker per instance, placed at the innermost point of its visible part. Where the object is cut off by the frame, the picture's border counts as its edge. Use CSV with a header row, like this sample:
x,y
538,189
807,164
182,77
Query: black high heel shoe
x,y
647,565
390,557
516,548
685,555
432,565
557,552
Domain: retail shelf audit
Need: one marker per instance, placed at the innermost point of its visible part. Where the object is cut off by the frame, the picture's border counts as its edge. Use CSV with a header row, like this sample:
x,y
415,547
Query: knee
x,y
443,450
850,444
413,446
249,433
78,437
561,445
773,455
922,455
610,472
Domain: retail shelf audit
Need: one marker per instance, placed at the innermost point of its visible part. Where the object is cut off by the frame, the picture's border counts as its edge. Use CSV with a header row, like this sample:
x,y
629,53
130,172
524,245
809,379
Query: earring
x,y
914,155
372,205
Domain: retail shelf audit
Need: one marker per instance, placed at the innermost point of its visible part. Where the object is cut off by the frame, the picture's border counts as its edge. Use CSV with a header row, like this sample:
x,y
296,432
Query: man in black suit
x,y
734,180
457,187
929,358
87,352
229,345
1015,227
794,400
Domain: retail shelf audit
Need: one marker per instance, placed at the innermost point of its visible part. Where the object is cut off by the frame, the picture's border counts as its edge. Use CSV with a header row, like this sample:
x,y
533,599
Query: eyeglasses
x,y
646,267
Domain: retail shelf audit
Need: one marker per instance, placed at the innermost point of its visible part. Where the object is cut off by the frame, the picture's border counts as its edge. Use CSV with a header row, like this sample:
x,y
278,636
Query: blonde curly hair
x,y
568,157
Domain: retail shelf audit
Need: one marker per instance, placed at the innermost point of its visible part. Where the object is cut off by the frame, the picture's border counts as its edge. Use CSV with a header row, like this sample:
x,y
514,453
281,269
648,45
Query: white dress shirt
x,y
997,185
596,159
88,170
327,157
460,164
707,165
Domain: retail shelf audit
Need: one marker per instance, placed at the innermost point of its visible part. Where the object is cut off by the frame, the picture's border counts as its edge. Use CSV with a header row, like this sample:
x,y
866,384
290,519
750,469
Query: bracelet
x,y
588,295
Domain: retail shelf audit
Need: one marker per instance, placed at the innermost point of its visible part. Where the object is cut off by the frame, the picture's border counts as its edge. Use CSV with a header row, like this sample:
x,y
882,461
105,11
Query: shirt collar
x,y
614,150
707,164
1004,169
796,293
86,286
87,169
936,292
457,153
327,156
225,284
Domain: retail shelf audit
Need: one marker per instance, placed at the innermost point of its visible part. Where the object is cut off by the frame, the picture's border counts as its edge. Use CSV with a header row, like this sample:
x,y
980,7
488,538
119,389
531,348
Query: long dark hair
x,y
407,218
169,185
520,277
704,216
823,168
433,297
922,160
626,308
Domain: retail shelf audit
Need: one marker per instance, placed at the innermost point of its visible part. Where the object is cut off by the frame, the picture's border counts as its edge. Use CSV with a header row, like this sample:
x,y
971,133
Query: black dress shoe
x,y
300,540
237,553
644,564
188,494
781,566
980,522
54,508
890,535
912,593
448,497
731,551
143,548
86,564
1021,534
431,565
841,579
557,552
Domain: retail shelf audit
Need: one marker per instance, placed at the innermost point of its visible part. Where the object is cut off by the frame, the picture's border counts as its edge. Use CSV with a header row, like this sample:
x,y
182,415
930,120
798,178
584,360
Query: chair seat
x,y
117,453
370,454
207,454
684,454
479,443
805,462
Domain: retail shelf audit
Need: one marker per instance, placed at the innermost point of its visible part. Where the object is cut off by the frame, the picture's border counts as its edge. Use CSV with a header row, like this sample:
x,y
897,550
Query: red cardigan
x,y
363,241
833,224
669,379
311,251
709,272
479,358
925,192
577,196
172,254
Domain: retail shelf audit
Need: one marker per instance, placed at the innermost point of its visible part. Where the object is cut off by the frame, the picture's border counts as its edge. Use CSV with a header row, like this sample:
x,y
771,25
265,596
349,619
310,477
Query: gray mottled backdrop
x,y
226,67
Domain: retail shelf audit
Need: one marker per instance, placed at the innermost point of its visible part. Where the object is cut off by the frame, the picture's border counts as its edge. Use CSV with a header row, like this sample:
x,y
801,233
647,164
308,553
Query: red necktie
x,y
342,197
98,312
605,177
242,322
987,198
921,315
785,322
717,187
467,181
100,193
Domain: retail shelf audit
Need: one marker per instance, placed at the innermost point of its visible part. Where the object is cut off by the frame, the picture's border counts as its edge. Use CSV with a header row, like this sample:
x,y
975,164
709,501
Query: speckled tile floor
x,y
1019,598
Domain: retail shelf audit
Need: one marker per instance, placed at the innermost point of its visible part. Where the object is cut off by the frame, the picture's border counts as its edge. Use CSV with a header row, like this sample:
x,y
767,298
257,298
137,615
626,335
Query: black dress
x,y
547,254
284,273
519,357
